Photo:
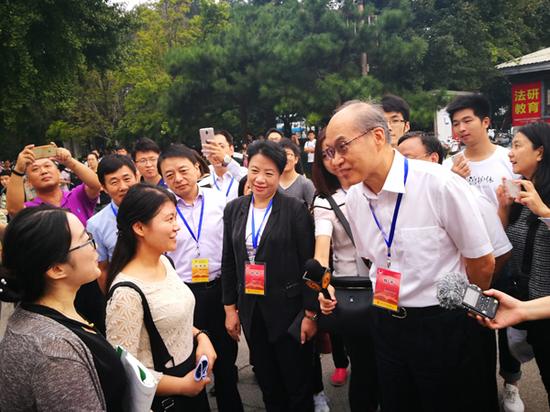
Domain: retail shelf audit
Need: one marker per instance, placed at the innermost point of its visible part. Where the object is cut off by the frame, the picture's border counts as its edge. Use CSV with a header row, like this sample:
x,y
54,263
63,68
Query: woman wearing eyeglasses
x,y
268,237
51,358
169,345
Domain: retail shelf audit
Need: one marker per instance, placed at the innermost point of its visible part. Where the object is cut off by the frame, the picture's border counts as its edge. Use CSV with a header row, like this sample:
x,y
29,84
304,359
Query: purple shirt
x,y
75,200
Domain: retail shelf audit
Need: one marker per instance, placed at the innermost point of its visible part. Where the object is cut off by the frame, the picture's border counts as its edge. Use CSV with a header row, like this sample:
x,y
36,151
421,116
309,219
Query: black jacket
x,y
286,243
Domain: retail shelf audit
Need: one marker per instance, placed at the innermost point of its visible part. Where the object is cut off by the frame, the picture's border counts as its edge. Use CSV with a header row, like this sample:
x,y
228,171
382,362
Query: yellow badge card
x,y
199,270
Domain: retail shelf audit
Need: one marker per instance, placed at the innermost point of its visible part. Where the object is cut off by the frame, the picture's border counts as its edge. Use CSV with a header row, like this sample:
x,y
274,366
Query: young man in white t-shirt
x,y
483,164
309,148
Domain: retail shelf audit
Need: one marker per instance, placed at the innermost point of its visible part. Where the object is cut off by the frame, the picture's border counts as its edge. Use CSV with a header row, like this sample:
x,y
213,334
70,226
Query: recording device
x,y
513,188
206,134
475,301
317,277
46,151
454,291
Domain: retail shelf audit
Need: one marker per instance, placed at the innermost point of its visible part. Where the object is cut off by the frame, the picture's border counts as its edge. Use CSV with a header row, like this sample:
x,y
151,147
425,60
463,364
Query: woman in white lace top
x,y
147,226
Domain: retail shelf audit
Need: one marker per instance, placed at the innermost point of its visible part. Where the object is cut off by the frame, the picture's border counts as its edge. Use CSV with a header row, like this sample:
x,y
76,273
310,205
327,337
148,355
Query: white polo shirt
x,y
439,222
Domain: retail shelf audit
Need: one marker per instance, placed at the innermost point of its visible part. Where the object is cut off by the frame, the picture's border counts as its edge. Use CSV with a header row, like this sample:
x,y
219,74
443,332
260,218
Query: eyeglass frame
x,y
147,160
90,240
330,151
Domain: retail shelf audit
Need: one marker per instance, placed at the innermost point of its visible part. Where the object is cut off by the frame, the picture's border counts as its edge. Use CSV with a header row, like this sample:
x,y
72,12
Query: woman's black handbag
x,y
161,357
353,294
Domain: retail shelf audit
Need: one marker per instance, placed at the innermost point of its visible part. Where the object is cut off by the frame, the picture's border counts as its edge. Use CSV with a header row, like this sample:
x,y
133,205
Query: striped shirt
x,y
539,278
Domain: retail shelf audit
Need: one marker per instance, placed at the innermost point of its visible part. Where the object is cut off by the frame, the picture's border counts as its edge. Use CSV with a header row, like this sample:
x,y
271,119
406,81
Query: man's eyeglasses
x,y
341,147
88,242
146,160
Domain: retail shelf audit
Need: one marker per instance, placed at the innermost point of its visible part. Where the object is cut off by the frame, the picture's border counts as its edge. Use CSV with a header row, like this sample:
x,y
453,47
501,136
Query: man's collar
x,y
395,181
200,194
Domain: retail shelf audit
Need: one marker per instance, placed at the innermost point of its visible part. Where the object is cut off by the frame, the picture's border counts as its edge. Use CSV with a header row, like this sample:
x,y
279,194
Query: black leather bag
x,y
351,315
353,294
161,357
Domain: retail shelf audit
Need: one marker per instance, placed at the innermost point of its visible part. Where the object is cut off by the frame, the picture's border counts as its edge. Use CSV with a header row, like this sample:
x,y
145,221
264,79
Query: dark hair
x,y
177,150
226,134
311,131
392,103
274,130
269,149
141,204
111,163
203,164
242,184
145,145
36,239
429,141
324,181
477,102
289,144
93,154
5,172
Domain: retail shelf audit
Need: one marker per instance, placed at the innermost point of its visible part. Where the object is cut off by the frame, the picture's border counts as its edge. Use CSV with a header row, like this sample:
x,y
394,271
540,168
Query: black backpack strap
x,y
160,353
341,217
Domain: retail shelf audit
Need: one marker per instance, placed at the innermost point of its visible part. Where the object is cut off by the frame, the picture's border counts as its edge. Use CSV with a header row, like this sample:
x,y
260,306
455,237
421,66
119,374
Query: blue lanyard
x,y
195,238
389,239
115,212
217,187
256,235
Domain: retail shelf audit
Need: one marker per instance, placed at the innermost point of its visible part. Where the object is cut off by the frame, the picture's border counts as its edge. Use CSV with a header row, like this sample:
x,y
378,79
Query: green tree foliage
x,y
245,64
44,46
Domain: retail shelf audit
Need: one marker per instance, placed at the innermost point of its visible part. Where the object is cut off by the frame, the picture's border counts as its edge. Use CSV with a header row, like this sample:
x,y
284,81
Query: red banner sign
x,y
526,103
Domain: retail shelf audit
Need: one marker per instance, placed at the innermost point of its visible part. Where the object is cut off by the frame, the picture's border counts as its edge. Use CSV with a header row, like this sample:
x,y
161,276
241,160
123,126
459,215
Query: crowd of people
x,y
175,254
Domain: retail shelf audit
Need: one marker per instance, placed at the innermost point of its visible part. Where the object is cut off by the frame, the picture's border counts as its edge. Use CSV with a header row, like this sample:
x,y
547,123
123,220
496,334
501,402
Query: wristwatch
x,y
312,317
226,160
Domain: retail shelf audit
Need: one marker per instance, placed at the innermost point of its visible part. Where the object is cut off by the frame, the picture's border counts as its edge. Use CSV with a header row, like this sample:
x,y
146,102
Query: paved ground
x,y
531,388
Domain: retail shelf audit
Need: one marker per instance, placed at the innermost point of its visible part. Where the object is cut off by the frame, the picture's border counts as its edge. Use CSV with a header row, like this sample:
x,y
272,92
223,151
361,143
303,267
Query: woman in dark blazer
x,y
267,239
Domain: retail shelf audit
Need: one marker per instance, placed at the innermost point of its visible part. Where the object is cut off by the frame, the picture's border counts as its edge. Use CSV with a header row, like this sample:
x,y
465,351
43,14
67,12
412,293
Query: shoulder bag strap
x,y
160,353
341,217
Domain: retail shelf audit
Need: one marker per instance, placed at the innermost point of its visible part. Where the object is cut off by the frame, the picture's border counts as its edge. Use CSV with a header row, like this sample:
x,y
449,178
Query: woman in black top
x,y
524,215
51,357
267,239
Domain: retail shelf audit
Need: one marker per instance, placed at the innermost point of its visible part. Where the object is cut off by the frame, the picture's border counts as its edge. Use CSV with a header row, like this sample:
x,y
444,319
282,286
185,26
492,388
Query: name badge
x,y
254,278
386,292
199,270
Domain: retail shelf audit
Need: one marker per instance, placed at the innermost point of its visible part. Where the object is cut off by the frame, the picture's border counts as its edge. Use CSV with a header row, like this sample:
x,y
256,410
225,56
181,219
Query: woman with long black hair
x,y
524,215
150,310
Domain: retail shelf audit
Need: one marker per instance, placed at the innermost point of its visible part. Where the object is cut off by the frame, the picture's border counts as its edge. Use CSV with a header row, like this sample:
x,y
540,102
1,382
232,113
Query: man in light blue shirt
x,y
116,174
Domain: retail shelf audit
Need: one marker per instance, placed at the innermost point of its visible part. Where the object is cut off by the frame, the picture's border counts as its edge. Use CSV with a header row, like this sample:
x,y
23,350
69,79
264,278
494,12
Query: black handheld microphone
x,y
317,277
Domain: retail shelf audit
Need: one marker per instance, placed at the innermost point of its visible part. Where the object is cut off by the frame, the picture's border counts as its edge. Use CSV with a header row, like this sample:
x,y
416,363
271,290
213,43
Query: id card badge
x,y
199,270
386,292
254,278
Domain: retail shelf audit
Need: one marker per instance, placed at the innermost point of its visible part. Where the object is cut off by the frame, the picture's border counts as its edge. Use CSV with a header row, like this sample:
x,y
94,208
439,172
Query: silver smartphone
x,y
206,134
513,188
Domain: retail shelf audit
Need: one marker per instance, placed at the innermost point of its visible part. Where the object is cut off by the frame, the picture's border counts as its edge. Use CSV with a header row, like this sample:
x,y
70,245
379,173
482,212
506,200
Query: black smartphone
x,y
475,301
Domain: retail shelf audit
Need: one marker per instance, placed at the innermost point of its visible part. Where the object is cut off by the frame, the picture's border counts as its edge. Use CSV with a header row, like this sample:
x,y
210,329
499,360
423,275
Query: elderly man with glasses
x,y
414,221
